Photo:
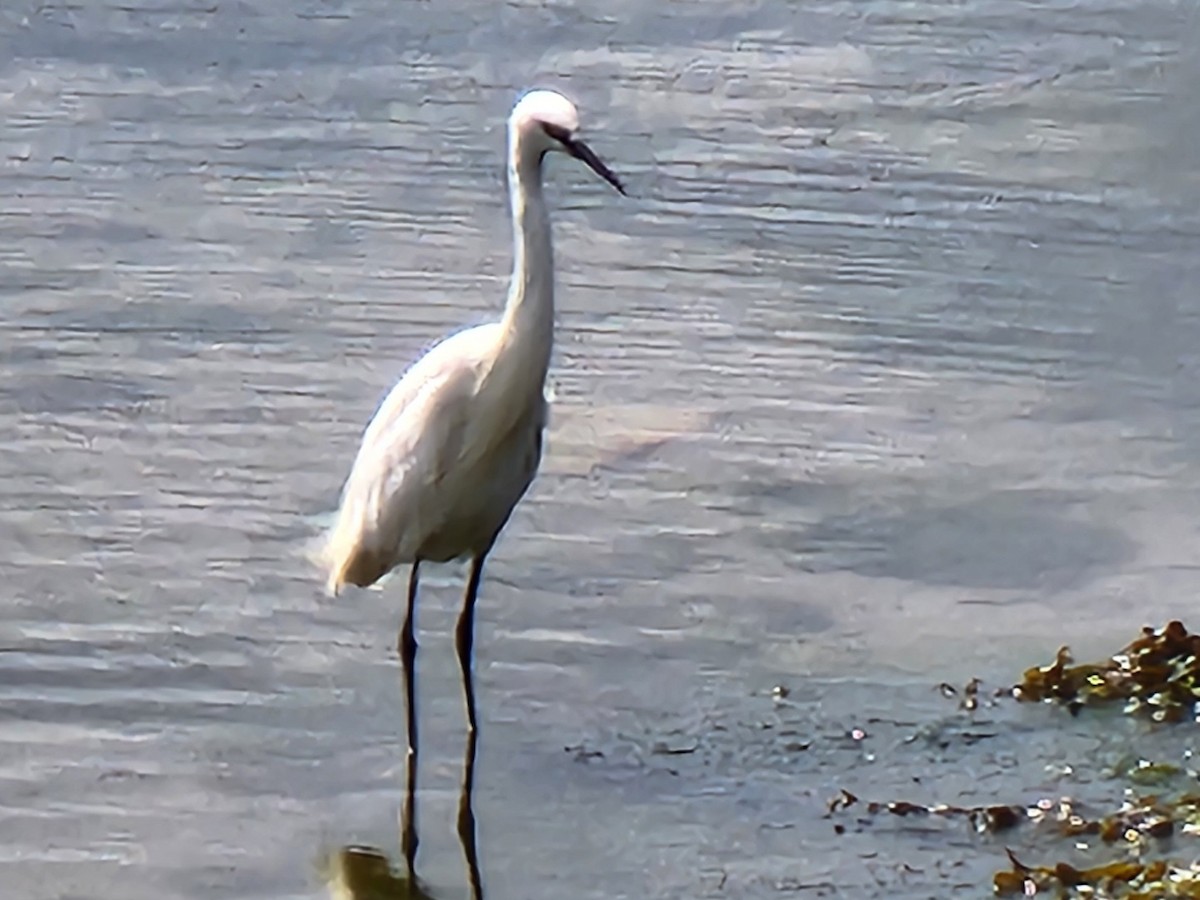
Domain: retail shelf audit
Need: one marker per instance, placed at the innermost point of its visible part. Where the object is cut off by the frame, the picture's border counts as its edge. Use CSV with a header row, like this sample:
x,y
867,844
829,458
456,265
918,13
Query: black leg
x,y
407,645
464,638
466,818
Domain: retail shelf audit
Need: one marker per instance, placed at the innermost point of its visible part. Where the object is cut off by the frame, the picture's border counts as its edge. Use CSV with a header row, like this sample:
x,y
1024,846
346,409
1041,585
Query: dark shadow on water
x,y
1007,539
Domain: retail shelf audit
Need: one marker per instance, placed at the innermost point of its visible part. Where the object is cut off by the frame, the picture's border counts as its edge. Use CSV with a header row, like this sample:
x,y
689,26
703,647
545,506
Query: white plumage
x,y
451,450
455,445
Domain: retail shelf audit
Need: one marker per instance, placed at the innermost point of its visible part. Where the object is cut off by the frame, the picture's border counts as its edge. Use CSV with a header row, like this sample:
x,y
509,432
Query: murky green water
x,y
886,374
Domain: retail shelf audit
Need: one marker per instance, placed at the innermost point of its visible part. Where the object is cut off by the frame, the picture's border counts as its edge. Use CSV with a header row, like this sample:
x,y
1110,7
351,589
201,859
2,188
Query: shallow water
x,y
884,375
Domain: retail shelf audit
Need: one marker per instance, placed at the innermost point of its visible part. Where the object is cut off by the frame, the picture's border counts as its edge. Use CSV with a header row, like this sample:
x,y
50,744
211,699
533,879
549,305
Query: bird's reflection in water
x,y
366,873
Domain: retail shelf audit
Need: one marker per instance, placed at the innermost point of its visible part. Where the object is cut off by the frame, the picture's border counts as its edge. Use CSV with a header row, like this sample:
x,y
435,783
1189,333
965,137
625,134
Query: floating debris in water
x,y
1157,675
971,698
1135,827
970,701
1137,820
982,818
1126,880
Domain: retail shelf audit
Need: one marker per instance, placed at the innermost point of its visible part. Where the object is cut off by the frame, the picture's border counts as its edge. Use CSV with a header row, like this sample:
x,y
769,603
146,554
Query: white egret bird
x,y
457,442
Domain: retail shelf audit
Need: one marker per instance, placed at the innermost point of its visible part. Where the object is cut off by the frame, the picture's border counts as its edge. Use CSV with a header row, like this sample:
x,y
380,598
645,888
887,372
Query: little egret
x,y
455,445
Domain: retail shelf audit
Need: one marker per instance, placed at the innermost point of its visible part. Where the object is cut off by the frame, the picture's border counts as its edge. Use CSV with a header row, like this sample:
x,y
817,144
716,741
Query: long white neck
x,y
529,314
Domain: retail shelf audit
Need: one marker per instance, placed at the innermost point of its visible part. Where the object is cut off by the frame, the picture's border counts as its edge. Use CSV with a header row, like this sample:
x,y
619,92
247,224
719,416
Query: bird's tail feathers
x,y
348,555
318,550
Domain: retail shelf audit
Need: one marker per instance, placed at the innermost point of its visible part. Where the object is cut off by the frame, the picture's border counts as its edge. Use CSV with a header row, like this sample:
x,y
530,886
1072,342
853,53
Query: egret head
x,y
544,121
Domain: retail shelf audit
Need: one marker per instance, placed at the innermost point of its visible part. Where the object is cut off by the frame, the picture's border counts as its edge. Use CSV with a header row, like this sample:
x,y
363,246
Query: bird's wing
x,y
415,440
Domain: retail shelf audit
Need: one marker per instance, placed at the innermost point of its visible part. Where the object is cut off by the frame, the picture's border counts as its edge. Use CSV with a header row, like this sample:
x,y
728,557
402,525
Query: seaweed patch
x,y
1157,675
1144,838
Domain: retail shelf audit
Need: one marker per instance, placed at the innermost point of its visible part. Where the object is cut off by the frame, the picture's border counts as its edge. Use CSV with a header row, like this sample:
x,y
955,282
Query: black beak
x,y
584,153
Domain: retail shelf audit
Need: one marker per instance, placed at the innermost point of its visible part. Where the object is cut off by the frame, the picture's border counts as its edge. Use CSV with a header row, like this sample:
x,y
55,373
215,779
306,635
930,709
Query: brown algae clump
x,y
1157,675
1127,880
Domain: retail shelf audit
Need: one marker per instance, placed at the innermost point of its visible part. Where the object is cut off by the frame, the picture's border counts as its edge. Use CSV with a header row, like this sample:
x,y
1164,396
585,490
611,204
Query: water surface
x,y
885,374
